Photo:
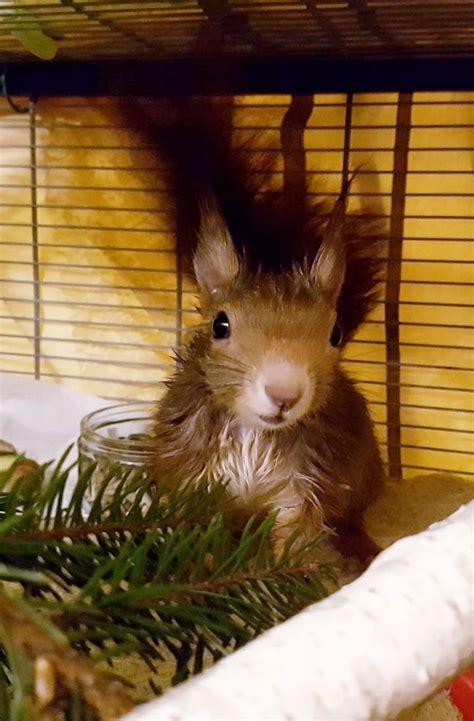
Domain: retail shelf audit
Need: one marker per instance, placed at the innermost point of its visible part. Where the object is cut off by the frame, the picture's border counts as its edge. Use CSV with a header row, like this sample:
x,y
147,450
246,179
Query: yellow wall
x,y
107,265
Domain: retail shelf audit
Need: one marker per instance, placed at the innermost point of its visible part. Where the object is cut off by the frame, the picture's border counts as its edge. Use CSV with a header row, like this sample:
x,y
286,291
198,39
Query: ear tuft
x,y
329,266
216,263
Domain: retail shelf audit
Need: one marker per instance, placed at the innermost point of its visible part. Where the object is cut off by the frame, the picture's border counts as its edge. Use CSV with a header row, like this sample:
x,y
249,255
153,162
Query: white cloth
x,y
375,647
41,419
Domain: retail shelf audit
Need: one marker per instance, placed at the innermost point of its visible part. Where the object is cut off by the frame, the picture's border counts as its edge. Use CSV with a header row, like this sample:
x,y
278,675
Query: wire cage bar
x,y
93,288
101,29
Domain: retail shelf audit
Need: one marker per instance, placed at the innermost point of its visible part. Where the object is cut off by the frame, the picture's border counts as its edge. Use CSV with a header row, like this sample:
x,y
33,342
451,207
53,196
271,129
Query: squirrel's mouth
x,y
277,420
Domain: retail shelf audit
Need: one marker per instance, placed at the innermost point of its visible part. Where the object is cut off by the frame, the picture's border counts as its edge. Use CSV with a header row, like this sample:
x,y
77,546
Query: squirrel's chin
x,y
255,421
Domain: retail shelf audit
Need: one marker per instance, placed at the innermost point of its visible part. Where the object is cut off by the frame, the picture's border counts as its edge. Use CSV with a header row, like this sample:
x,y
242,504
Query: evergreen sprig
x,y
133,571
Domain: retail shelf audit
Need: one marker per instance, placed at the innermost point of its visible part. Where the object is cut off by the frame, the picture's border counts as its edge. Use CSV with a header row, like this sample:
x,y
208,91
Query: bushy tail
x,y
209,172
206,168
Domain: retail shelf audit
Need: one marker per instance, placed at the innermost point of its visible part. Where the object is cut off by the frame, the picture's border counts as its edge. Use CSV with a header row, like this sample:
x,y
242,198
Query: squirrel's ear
x,y
216,263
329,266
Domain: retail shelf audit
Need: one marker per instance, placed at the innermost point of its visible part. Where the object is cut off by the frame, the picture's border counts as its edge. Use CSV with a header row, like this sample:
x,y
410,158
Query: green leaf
x,y
37,43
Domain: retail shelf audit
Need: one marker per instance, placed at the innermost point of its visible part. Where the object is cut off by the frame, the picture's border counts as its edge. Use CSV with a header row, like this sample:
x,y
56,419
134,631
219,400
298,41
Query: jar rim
x,y
113,415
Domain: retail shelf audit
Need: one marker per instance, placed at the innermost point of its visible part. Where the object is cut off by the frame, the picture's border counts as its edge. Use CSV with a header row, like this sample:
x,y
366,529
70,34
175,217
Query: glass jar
x,y
117,437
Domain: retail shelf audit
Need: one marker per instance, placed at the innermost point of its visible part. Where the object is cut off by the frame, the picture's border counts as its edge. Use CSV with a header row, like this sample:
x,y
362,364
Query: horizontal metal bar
x,y
108,208
80,45
78,146
82,359
243,149
425,366
63,226
404,446
384,384
413,426
93,342
137,251
155,232
97,8
92,287
94,324
393,19
110,188
415,324
417,406
166,192
170,251
409,344
119,381
85,266
318,103
236,127
354,151
427,239
87,304
276,20
51,166
78,246
448,471
135,169
357,103
218,75
60,377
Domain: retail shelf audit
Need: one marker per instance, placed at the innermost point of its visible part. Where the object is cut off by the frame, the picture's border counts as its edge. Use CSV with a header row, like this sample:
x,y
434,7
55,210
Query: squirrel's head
x,y
272,341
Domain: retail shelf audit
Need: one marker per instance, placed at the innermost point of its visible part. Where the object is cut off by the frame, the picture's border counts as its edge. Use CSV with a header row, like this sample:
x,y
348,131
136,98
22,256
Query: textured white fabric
x,y
42,419
377,646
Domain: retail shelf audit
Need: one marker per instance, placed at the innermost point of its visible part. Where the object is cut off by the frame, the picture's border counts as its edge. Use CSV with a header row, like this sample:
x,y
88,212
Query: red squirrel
x,y
259,399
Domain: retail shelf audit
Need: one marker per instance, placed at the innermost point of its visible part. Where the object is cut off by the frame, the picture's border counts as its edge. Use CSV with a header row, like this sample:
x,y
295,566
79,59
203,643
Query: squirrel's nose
x,y
282,395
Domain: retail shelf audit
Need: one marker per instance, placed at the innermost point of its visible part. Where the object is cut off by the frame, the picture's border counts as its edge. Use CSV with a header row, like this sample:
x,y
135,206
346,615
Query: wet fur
x,y
328,464
325,468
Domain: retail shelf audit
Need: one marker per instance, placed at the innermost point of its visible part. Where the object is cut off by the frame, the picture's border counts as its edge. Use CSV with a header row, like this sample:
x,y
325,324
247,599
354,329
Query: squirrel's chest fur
x,y
330,463
254,466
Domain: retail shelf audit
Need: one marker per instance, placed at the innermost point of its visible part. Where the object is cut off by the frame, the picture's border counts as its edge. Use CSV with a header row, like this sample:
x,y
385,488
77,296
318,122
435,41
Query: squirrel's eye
x,y
336,336
221,326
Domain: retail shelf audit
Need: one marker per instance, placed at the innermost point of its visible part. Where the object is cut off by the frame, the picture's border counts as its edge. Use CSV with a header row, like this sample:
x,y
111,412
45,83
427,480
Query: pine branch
x,y
93,529
225,583
55,663
143,571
